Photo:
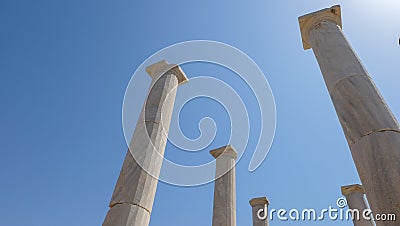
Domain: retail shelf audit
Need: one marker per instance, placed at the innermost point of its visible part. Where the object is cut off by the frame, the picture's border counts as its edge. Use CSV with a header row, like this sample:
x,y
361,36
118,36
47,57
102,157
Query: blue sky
x,y
64,68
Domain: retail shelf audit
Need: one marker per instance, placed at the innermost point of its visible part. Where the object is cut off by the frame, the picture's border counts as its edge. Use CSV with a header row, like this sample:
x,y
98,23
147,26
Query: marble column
x,y
134,193
371,130
355,200
260,208
224,210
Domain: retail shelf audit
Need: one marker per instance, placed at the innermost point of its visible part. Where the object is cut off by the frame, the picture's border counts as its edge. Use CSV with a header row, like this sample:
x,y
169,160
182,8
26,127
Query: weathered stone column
x,y
134,193
355,200
371,130
260,208
224,211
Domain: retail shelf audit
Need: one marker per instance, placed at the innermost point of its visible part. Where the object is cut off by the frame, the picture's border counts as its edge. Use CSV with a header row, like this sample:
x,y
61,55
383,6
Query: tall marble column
x,y
371,130
355,200
260,208
224,210
134,193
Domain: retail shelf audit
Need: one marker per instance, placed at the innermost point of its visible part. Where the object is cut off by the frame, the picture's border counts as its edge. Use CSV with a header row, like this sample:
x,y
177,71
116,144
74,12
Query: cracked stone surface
x,y
126,214
132,201
378,164
360,108
371,130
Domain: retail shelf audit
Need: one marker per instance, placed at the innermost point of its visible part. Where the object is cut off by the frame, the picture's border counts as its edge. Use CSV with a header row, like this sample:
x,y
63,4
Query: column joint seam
x,y
133,204
380,131
373,132
150,121
347,77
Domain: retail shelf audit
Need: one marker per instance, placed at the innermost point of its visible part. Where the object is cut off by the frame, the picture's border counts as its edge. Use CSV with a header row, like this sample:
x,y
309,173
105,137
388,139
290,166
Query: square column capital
x,y
228,150
158,69
355,188
308,21
259,201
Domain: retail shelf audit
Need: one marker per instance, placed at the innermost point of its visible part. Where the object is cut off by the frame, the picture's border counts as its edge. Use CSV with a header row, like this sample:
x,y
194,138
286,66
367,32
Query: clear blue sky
x,y
64,67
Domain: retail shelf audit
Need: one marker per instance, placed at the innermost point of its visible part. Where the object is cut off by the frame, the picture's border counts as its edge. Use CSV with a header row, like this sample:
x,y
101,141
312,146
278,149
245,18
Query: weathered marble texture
x,y
378,163
127,215
224,209
257,204
133,197
371,130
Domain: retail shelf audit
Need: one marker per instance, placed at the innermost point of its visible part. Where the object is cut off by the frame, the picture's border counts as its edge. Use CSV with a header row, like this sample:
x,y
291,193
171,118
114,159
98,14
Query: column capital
x,y
259,201
308,21
161,67
354,188
225,150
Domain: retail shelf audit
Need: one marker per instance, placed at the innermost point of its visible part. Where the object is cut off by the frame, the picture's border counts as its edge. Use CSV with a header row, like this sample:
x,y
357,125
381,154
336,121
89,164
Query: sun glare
x,y
384,5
